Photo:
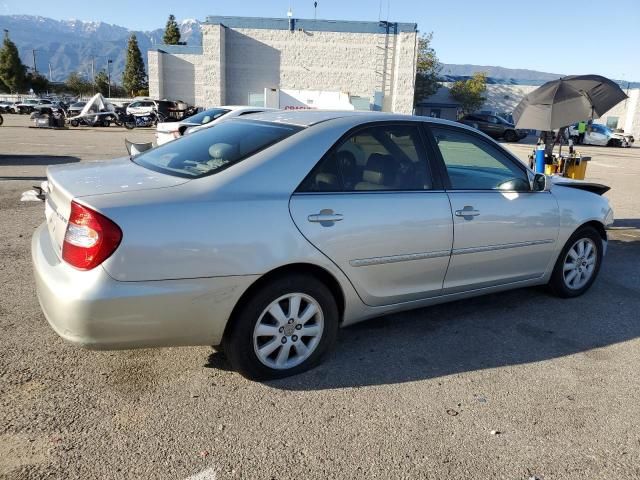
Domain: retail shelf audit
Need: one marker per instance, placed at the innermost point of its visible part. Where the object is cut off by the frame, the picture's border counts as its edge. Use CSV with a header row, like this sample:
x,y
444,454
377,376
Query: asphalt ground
x,y
412,395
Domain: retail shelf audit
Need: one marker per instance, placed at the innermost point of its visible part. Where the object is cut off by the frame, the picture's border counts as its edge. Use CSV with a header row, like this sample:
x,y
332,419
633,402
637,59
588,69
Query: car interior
x,y
378,158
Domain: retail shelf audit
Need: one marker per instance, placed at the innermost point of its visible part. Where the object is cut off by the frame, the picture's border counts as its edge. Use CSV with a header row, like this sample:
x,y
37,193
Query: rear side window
x,y
389,157
213,149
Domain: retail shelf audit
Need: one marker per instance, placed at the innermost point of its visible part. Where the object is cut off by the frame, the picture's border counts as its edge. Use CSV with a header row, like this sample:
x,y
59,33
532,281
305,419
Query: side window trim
x,y
442,167
425,150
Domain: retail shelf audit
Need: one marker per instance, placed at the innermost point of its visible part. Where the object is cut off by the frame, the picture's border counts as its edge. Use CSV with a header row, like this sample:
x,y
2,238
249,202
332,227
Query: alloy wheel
x,y
579,264
288,331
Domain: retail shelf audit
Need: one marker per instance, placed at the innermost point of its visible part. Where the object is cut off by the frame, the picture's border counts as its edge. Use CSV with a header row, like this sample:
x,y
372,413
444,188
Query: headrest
x,y
379,170
222,151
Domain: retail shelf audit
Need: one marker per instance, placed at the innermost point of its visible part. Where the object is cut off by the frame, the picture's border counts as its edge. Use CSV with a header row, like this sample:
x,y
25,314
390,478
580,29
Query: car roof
x,y
307,118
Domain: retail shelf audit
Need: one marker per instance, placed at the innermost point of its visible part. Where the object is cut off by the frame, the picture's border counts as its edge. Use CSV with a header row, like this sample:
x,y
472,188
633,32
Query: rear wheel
x,y
74,123
510,136
578,264
285,328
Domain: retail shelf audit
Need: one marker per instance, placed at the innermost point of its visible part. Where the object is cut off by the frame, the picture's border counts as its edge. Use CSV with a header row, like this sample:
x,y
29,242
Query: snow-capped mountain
x,y
72,45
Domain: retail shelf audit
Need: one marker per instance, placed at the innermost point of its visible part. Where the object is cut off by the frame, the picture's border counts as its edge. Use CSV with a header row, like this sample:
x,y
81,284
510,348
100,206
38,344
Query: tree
x,y
470,92
134,79
37,82
172,32
12,71
77,84
102,83
427,69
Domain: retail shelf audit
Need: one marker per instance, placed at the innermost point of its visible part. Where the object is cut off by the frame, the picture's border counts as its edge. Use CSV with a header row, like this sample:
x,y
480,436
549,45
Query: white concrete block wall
x,y
404,77
302,60
182,78
213,65
154,65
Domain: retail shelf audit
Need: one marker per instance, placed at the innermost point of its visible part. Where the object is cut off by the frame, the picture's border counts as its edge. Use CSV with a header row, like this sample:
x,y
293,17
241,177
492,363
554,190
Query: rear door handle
x,y
326,217
468,212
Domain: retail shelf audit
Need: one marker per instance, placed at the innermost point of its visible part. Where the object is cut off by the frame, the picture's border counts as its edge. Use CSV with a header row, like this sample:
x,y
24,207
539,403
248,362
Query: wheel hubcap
x,y
579,264
288,331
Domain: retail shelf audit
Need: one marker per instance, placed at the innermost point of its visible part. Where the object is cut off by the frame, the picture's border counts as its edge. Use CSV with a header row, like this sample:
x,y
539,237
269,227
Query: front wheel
x,y
1,120
578,264
130,125
285,328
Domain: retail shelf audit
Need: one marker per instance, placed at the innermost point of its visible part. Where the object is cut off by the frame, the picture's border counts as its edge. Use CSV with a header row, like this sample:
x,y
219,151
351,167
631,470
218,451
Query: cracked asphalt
x,y
509,386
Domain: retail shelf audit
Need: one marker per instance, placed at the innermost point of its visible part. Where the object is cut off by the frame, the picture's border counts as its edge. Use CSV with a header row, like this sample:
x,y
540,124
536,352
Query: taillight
x,y
90,238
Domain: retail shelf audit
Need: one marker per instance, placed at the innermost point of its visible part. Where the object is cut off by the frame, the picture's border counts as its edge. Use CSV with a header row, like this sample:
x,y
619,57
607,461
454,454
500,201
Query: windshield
x,y
207,116
213,149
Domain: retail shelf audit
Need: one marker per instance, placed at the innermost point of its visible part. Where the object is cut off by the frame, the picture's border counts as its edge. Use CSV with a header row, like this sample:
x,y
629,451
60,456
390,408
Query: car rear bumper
x,y
91,309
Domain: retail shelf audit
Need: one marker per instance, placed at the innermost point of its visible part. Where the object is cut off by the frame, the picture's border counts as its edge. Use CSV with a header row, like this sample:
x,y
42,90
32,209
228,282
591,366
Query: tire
x,y
562,283
510,136
130,125
74,123
242,341
1,120
106,123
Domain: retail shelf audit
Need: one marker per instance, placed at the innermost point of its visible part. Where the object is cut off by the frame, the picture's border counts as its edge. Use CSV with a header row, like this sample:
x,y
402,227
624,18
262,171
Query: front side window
x,y
213,149
389,157
474,164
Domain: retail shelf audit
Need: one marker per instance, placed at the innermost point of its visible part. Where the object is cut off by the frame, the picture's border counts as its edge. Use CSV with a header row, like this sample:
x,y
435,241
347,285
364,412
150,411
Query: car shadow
x,y
499,330
18,160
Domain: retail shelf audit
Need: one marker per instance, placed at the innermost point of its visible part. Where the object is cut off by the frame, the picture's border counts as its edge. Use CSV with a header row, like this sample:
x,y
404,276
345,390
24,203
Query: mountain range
x,y
65,46
72,45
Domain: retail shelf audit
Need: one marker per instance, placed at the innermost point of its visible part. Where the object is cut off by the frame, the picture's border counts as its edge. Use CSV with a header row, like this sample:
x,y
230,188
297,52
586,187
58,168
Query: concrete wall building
x,y
374,63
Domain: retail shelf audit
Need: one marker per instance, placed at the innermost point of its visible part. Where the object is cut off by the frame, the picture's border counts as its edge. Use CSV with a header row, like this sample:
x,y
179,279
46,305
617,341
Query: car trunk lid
x,y
68,182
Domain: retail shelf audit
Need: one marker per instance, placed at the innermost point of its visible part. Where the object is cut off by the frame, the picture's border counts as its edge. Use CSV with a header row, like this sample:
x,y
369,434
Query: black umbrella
x,y
561,102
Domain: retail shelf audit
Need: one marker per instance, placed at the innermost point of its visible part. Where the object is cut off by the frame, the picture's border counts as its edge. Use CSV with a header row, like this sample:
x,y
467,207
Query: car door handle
x,y
325,218
467,213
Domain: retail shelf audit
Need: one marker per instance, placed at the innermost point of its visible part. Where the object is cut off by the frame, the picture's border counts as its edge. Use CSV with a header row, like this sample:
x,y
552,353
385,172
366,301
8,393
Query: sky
x,y
575,37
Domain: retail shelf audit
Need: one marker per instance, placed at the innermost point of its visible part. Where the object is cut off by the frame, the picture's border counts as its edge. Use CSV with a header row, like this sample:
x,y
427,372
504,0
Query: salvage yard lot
x,y
411,395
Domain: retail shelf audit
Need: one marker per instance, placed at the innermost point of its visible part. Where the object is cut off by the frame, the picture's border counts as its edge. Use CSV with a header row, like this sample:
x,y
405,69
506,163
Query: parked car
x,y
602,135
75,108
168,131
494,126
5,106
142,107
265,234
26,106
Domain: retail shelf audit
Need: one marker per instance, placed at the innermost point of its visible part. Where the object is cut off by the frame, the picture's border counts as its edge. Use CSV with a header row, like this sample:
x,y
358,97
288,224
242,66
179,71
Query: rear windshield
x,y
213,149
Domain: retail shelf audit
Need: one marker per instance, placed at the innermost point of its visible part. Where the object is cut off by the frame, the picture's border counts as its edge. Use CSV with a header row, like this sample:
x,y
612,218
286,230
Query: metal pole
x,y
93,73
50,75
35,68
109,76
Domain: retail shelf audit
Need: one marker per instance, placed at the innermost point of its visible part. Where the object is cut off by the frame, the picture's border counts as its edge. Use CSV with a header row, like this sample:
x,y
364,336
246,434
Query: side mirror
x,y
539,183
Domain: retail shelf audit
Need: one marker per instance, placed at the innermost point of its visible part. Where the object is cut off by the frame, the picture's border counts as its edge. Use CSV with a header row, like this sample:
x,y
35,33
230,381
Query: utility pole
x,y
109,62
93,73
35,68
50,75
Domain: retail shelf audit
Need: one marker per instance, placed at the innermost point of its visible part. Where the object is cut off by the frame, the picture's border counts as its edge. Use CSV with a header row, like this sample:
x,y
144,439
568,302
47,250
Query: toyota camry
x,y
263,235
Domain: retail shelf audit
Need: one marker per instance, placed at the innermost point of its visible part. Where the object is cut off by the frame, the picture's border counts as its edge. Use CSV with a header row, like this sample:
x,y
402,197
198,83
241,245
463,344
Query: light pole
x,y
109,62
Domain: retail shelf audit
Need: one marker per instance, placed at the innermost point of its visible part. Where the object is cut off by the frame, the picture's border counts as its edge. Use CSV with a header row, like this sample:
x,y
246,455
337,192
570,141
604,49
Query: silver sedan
x,y
266,234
